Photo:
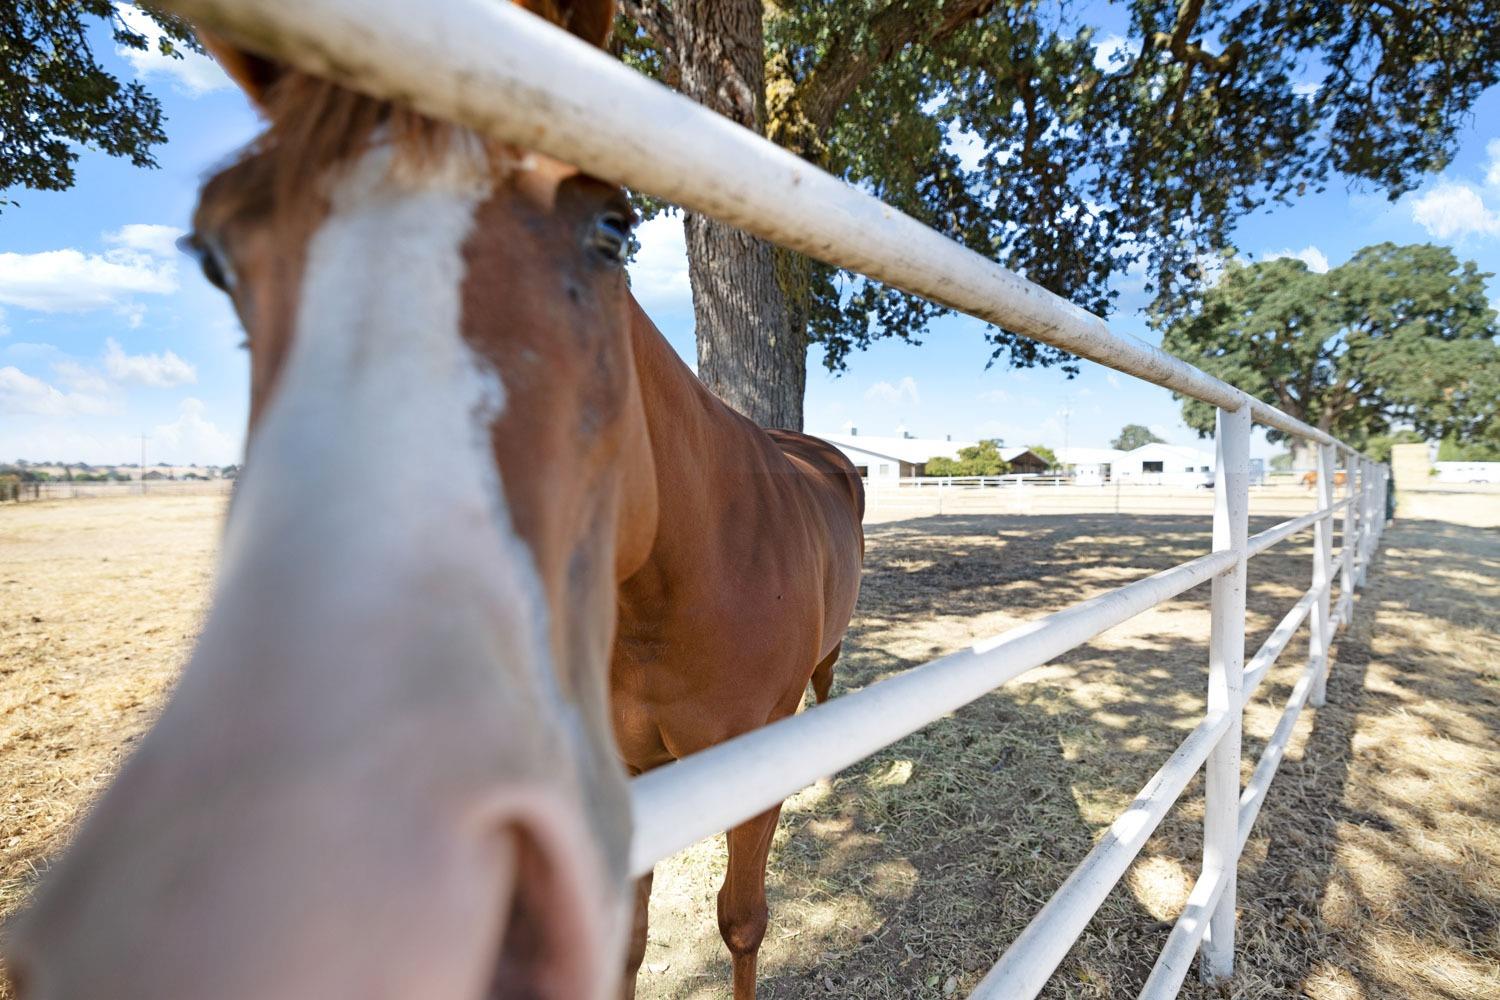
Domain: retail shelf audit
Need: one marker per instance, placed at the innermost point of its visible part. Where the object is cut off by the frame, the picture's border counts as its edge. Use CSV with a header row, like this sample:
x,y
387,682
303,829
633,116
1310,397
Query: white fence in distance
x,y
65,489
501,71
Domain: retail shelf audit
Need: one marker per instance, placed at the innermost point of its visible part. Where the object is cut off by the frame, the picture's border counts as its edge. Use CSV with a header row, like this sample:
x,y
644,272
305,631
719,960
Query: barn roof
x,y
902,449
1159,450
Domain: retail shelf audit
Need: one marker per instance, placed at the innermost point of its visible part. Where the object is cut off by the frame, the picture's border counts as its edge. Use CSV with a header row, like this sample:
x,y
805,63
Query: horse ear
x,y
253,74
591,20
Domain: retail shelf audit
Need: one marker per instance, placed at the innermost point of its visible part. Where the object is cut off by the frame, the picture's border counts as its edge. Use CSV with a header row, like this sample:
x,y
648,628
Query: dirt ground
x,y
1373,870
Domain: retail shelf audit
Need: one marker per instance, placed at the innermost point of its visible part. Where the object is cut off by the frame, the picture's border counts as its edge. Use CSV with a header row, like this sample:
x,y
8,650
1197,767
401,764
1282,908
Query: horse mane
x,y
313,125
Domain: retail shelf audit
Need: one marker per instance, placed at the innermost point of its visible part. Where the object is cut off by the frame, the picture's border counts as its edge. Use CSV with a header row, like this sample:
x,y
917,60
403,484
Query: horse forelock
x,y
315,126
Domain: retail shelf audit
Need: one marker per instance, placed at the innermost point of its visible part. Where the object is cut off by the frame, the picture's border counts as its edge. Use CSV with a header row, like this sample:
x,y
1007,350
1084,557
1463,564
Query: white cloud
x,y
1306,88
72,281
193,74
4,326
1110,53
159,371
147,238
25,394
659,273
903,392
994,396
1492,173
133,313
1315,259
1112,379
192,438
1454,209
1028,431
79,378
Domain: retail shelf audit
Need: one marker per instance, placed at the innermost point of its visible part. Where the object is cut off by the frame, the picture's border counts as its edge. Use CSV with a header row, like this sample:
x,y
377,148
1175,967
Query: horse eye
x,y
609,236
210,261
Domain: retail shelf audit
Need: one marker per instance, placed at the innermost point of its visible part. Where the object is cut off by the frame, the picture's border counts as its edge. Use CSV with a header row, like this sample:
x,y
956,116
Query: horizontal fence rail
x,y
494,68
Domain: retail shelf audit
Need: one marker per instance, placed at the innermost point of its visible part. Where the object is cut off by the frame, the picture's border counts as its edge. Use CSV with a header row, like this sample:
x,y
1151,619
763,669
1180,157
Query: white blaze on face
x,y
379,426
371,717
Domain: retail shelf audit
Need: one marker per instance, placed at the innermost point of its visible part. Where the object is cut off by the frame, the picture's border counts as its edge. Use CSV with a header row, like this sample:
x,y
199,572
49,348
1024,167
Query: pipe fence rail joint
x,y
501,71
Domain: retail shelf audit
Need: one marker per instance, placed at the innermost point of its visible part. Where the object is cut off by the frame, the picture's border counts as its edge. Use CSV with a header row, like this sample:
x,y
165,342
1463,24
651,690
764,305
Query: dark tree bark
x,y
751,351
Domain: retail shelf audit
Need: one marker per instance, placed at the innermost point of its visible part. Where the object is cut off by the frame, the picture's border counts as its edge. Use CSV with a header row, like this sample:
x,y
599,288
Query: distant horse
x,y
492,539
1310,479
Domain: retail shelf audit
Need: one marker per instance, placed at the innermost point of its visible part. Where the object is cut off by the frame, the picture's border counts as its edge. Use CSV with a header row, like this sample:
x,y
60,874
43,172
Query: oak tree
x,y
1399,337
1133,436
1019,129
981,459
56,97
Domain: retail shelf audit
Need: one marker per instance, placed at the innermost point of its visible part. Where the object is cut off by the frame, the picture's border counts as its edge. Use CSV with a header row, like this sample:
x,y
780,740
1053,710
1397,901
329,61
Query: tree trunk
x,y
752,352
1304,454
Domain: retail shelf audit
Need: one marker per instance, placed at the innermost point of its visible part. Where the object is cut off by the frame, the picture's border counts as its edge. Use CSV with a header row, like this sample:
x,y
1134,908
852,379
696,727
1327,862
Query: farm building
x,y
1149,465
1166,465
1024,461
1467,472
1090,466
889,459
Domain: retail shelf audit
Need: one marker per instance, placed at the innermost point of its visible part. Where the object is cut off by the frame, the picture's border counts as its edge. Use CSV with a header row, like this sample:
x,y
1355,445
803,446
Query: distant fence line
x,y
65,489
1045,495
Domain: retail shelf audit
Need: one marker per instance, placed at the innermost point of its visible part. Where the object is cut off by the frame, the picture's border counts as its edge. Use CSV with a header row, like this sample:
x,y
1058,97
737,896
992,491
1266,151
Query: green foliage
x,y
982,459
1451,449
1378,446
1133,436
55,96
1044,453
1072,173
1399,334
1282,462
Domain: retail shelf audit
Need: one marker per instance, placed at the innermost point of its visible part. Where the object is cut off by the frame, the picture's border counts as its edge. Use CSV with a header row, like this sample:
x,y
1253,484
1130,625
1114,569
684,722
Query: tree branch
x,y
1192,53
656,21
850,62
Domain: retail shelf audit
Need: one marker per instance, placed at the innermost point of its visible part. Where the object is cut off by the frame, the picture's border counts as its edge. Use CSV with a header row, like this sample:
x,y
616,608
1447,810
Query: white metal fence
x,y
1046,495
494,68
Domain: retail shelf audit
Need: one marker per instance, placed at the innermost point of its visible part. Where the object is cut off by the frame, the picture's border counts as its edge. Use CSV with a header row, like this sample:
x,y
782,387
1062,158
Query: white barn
x,y
1148,465
1090,466
1467,472
887,460
1166,465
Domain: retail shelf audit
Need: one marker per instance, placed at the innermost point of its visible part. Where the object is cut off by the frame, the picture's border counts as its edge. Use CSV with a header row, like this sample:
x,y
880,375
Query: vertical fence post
x,y
1226,664
1320,636
1347,540
1367,518
1365,513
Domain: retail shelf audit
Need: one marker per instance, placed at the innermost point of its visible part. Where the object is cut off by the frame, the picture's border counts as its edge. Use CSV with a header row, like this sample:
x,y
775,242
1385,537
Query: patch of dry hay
x,y
99,603
1371,872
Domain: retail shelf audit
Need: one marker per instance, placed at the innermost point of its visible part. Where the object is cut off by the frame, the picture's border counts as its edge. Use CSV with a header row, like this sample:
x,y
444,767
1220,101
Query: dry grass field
x,y
1373,871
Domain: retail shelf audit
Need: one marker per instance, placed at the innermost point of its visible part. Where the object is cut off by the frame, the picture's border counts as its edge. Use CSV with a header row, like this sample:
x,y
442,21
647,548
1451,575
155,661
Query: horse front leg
x,y
636,951
742,900
822,678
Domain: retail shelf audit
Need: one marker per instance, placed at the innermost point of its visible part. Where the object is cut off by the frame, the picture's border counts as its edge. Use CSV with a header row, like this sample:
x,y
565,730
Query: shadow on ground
x,y
907,875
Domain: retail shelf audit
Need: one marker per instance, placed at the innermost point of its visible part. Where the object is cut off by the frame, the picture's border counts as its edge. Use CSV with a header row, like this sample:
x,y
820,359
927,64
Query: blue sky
x,y
107,334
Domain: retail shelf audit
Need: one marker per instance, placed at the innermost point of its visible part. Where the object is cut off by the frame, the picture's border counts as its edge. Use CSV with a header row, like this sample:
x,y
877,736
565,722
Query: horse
x,y
1310,479
494,549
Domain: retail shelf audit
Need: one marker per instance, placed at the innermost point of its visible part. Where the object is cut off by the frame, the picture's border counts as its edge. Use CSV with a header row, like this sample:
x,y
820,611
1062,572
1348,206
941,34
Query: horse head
x,y
388,769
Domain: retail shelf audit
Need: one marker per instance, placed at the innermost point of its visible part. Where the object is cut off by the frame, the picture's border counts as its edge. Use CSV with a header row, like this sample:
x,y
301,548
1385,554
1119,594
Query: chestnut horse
x,y
493,539
1310,479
